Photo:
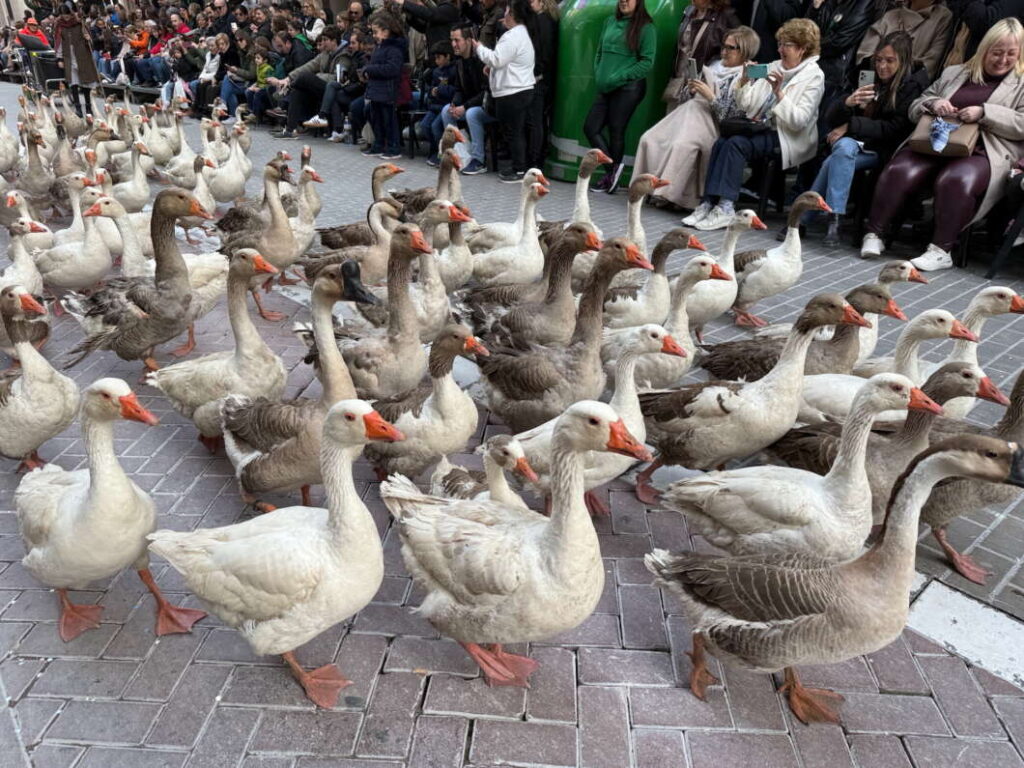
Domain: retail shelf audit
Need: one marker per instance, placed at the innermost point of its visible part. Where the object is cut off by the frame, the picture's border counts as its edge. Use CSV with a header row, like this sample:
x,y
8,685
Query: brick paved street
x,y
611,694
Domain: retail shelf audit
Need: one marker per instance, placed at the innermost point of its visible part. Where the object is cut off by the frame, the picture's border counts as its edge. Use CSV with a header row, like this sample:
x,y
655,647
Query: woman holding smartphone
x,y
868,124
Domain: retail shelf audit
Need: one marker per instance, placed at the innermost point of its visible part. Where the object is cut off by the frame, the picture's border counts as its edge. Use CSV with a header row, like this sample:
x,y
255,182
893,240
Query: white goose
x,y
490,237
522,262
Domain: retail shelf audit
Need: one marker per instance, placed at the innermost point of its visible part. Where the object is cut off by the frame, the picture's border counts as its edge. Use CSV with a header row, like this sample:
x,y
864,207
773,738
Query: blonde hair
x,y
803,33
747,39
1008,27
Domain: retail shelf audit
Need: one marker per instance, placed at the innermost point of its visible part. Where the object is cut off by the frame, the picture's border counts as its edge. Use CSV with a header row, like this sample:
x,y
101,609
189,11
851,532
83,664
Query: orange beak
x,y
916,277
540,190
282,154
132,410
695,243
11,201
852,317
603,158
209,163
29,304
541,178
262,265
460,138
419,243
457,214
1017,305
474,345
593,242
394,169
756,223
620,441
892,310
456,162
636,259
35,226
987,390
92,210
316,176
670,346
523,468
195,209
379,429
822,205
88,182
717,273
659,183
919,401
961,331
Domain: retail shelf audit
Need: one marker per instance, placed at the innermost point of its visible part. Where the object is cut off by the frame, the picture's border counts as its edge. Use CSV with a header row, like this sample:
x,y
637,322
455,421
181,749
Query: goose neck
x,y
106,477
247,339
559,266
272,196
967,351
169,263
727,257
678,323
789,368
849,468
635,227
625,399
1011,425
335,381
402,314
497,483
444,179
905,358
133,261
348,520
581,204
570,527
29,358
528,234
590,313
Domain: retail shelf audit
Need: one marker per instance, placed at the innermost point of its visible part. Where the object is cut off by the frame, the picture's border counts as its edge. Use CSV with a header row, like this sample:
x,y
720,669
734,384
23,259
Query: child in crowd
x,y
440,88
383,75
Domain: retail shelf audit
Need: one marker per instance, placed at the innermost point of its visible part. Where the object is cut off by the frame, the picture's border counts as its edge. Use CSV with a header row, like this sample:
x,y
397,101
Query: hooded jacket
x,y
385,70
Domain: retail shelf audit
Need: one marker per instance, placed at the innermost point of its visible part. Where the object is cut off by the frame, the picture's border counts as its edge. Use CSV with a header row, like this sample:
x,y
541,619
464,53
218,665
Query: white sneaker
x,y
337,138
316,122
700,212
717,219
933,259
871,246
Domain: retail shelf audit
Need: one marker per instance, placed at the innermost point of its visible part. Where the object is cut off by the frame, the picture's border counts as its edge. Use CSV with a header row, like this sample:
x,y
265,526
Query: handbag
x,y
960,143
740,125
674,88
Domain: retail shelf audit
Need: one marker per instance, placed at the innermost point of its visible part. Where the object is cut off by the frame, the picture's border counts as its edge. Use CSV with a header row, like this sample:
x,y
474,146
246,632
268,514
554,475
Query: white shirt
x,y
511,62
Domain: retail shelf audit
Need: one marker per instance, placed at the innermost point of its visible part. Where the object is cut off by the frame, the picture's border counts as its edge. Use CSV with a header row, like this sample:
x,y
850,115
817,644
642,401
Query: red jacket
x,y
38,33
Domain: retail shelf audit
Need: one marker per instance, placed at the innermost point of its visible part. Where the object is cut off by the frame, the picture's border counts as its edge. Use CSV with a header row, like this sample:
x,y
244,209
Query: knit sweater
x,y
616,64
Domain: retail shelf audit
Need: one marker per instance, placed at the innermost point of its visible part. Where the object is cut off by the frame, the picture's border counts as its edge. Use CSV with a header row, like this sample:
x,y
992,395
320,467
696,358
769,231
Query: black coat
x,y
979,15
842,24
384,71
544,35
771,14
470,82
434,21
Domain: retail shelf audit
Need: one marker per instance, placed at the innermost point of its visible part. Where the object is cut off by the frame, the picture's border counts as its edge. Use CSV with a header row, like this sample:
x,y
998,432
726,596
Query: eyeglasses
x,y
730,47
788,45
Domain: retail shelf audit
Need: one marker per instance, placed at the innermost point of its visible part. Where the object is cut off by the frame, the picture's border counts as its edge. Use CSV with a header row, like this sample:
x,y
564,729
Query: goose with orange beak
x,y
516,576
283,578
87,525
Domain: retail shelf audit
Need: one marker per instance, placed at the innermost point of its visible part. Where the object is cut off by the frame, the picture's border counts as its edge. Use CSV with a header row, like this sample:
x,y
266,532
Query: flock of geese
x,y
818,545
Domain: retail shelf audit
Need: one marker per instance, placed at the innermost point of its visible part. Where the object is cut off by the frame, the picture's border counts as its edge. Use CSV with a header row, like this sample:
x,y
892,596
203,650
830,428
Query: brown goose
x,y
702,426
891,448
360,233
381,216
750,359
526,388
416,200
774,612
592,159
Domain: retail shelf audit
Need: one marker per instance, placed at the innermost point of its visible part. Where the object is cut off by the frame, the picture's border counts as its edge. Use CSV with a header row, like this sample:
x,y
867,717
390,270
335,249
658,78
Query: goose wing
x,y
525,375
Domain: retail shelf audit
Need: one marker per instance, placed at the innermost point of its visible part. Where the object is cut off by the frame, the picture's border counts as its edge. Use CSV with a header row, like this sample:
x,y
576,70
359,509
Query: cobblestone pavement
x,y
611,694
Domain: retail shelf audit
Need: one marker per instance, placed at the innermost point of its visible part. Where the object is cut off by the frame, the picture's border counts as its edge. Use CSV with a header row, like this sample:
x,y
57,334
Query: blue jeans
x,y
836,174
231,93
477,120
728,159
154,69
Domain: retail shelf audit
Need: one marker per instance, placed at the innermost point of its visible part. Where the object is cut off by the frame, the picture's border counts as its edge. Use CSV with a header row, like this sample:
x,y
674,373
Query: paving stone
x,y
449,695
604,727
919,644
97,679
388,724
1011,713
345,762
11,633
316,733
523,743
360,659
709,750
643,621
659,748
439,742
52,756
876,751
44,640
103,722
995,686
182,719
229,645
895,669
135,639
823,746
266,686
39,604
226,735
413,654
950,753
850,675
552,694
668,530
380,618
880,713
624,545
678,708
752,700
681,641
629,514
18,674
599,666
263,761
609,600
631,570
960,699
599,630
160,672
34,715
113,757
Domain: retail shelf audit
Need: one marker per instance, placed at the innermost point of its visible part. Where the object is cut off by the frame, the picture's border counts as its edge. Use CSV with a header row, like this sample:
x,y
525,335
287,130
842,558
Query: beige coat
x,y
929,29
1002,126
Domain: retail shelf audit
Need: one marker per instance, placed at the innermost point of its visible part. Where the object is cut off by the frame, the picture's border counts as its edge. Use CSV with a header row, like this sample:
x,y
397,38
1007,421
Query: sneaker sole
x,y
474,173
511,181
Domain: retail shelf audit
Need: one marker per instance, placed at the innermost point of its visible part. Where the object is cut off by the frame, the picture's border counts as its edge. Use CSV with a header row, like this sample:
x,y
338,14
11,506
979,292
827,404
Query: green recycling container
x,y
578,35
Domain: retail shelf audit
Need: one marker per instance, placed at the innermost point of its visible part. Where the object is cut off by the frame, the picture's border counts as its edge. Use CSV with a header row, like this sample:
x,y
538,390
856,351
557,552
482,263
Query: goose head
x,y
277,170
652,339
702,268
810,201
591,160
408,242
675,239
107,207
622,254
386,171
508,453
78,181
450,159
200,162
974,456
343,282
900,272
17,303
141,148
36,138
111,399
828,309
457,340
450,137
15,198
876,298
589,425
939,324
643,185
354,422
24,226
962,380
304,156
746,219
578,237
308,174
891,391
178,202
996,300
441,212
247,262
535,176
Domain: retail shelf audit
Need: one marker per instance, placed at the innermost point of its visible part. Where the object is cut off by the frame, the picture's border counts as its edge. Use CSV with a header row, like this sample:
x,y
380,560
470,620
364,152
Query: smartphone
x,y
691,69
866,77
234,27
757,71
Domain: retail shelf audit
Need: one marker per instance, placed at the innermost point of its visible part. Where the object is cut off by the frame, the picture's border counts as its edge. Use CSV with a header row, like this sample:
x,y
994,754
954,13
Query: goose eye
x,y
350,417
106,395
991,454
594,421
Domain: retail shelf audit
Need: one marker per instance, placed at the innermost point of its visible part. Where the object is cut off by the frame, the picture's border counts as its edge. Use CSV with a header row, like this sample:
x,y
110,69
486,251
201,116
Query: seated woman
x,y
926,21
867,125
678,147
988,89
701,33
783,109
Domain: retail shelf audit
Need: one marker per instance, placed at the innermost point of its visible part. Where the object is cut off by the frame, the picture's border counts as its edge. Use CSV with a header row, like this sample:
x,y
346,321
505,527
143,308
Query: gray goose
x,y
528,387
774,612
750,359
359,233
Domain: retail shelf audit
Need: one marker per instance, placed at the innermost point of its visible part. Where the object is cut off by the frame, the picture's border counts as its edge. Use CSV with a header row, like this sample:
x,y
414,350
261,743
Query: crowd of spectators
x,y
828,89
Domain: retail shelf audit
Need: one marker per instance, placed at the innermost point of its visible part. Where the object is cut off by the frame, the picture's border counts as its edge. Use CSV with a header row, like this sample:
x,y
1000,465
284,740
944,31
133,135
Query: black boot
x,y
832,236
76,99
